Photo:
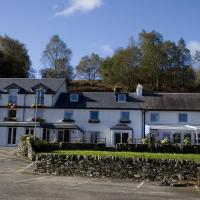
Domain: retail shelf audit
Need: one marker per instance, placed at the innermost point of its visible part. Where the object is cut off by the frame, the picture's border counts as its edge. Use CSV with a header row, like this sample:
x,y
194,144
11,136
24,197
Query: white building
x,y
44,107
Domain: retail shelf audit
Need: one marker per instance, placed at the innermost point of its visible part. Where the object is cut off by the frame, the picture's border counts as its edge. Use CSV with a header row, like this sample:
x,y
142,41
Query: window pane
x,y
68,115
13,96
125,116
73,97
14,136
94,115
166,136
9,135
182,117
177,138
121,97
12,113
40,97
154,117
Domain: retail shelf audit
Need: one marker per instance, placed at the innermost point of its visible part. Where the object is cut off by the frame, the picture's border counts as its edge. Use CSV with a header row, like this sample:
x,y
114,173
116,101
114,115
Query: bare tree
x,y
88,68
56,59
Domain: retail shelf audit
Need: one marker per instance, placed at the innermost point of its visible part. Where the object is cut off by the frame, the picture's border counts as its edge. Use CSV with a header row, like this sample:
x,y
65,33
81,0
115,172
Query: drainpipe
x,y
143,122
24,106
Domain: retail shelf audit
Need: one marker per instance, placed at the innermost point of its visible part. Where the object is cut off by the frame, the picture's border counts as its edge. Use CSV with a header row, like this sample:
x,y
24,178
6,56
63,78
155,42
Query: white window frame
x,y
69,111
74,100
15,91
182,114
118,99
158,114
38,96
122,114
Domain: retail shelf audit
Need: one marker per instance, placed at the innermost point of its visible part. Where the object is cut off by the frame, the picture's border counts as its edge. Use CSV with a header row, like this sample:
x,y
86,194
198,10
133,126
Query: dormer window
x,y
121,97
73,97
13,96
40,97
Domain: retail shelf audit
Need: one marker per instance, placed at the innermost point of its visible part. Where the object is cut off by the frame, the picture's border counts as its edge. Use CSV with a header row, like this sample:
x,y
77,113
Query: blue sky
x,y
98,26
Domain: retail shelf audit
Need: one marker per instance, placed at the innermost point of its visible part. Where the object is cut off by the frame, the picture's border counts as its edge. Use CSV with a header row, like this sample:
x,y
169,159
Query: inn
x,y
45,108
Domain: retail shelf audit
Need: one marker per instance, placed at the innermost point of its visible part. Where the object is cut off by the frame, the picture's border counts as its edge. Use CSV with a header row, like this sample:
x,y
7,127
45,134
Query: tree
x,y
14,59
197,57
123,68
56,58
88,67
152,55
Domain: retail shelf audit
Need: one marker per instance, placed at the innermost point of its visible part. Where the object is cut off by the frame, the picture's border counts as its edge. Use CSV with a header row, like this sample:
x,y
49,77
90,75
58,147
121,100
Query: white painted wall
x,y
172,117
108,118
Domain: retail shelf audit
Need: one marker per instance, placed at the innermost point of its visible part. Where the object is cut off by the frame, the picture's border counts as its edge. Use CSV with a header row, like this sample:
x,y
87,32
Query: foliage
x,y
165,141
155,62
193,157
14,59
186,141
88,67
145,141
56,58
122,68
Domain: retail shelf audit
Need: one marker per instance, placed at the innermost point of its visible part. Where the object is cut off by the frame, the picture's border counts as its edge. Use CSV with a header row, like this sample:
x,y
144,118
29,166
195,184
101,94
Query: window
x,y
29,131
94,137
125,116
121,97
187,136
154,117
13,96
68,116
183,117
46,134
94,115
197,138
166,136
74,97
12,135
40,97
12,114
177,138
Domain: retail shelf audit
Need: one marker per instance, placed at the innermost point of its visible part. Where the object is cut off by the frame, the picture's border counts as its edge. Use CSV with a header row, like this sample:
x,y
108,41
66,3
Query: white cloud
x,y
107,49
193,46
83,6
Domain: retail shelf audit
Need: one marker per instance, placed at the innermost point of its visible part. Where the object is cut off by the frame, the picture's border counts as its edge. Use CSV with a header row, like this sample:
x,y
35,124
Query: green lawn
x,y
193,157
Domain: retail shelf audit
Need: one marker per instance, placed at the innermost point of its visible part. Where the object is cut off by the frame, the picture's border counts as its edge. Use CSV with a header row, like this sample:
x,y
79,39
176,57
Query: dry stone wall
x,y
115,167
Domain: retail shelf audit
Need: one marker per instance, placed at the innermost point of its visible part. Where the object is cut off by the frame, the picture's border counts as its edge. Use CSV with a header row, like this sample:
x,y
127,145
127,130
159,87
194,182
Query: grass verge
x,y
192,157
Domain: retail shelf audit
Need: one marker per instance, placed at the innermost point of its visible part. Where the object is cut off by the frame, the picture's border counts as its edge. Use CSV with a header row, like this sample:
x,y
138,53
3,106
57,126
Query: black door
x,y
63,136
124,137
117,138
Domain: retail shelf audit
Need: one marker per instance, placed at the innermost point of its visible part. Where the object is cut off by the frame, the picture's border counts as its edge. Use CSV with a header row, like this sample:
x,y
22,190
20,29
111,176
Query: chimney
x,y
139,90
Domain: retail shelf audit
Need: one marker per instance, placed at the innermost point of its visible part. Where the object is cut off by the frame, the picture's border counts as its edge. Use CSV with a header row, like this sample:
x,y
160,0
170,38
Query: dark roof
x,y
98,100
172,101
153,101
121,127
26,84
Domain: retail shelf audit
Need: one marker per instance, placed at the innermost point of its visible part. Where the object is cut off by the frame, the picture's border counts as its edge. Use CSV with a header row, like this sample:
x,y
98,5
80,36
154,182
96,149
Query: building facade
x,y
45,108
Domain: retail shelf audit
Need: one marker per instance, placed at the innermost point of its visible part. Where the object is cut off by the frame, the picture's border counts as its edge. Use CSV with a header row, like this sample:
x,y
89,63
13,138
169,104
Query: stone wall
x,y
115,167
25,149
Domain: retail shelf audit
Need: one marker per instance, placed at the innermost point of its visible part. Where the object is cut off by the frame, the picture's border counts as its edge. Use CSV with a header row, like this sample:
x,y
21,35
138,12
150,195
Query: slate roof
x,y
98,100
155,101
27,84
172,101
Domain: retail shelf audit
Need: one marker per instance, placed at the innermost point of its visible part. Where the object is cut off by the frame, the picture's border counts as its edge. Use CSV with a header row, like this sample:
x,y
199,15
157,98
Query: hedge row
x,y
44,146
159,148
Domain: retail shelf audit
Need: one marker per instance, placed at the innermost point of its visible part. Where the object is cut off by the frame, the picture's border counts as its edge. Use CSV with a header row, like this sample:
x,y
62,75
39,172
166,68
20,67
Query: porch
x,y
175,134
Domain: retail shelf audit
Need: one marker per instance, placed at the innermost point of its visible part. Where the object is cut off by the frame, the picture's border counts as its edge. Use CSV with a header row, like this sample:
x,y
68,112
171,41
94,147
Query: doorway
x,y
121,137
12,135
64,136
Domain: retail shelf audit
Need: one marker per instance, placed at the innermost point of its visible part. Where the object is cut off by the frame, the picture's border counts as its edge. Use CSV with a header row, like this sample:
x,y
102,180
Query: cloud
x,y
193,46
107,49
83,6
